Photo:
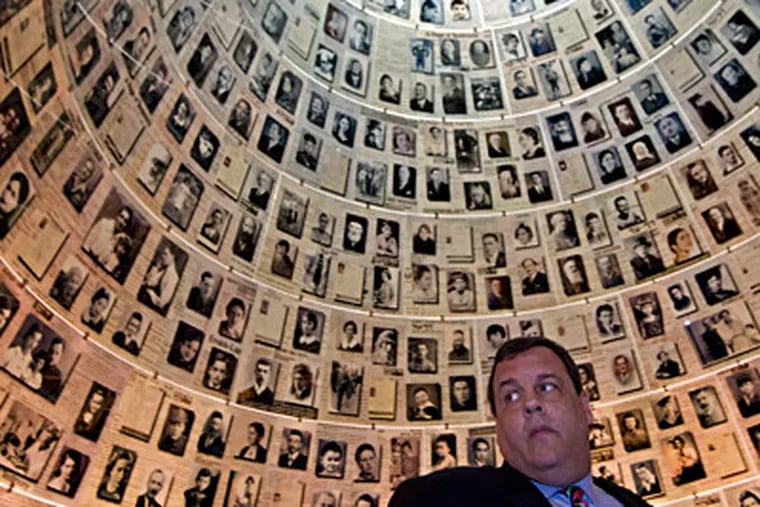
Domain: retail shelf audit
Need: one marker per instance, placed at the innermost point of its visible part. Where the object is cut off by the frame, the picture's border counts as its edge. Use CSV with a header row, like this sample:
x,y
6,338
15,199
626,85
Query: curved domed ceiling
x,y
261,252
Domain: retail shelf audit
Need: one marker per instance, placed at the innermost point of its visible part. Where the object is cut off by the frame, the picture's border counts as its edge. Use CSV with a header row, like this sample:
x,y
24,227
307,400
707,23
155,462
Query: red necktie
x,y
576,496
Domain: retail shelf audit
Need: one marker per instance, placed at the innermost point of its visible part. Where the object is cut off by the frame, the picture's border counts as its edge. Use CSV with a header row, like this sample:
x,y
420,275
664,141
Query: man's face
x,y
355,231
203,482
216,372
730,76
96,402
747,388
176,427
703,400
122,219
295,443
622,366
622,206
713,283
366,462
481,452
542,423
155,483
299,381
253,435
520,79
490,245
715,215
668,127
56,353
622,112
132,327
530,266
262,373
461,391
215,425
421,398
189,349
419,91
460,284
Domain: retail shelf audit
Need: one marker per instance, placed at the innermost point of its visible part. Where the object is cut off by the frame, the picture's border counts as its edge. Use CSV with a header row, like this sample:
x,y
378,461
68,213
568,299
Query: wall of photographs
x,y
262,252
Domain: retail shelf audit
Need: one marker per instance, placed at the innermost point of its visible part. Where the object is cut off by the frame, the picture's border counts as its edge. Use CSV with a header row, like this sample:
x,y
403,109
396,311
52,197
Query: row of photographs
x,y
172,424
511,185
213,315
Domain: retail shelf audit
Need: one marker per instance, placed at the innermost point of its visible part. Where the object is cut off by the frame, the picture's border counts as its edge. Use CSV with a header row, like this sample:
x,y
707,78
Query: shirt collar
x,y
586,483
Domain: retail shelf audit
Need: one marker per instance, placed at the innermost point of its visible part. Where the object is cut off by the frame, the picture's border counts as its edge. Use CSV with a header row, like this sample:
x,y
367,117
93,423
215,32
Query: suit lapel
x,y
519,491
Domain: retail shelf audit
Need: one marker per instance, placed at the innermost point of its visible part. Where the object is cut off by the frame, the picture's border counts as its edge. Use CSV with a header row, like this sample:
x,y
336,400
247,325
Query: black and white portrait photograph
x,y
325,63
736,82
481,54
422,355
460,291
8,306
540,40
183,197
346,381
645,258
642,153
307,335
16,195
683,458
450,52
425,284
292,213
438,184
69,282
185,347
274,20
245,51
385,287
512,45
443,451
657,27
355,76
722,222
214,227
588,70
626,211
710,108
288,91
30,439
99,308
116,236
539,187
422,98
162,277
355,233
633,430
205,148
618,46
308,151
344,129
646,478
246,237
155,85
83,180
273,139
708,406
608,322
220,370
525,233
744,387
673,132
647,311
243,488
68,472
203,58
681,298
131,331
284,259
390,90
336,23
176,430
300,384
180,118
423,402
551,74
154,167
525,84
453,93
741,32
263,75
317,112
563,233
94,412
360,36
573,275
477,195
667,411
116,475
384,346
316,273
706,47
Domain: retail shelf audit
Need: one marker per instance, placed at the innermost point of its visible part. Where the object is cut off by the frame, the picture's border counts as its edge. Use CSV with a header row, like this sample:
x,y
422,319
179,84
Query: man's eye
x,y
511,396
547,387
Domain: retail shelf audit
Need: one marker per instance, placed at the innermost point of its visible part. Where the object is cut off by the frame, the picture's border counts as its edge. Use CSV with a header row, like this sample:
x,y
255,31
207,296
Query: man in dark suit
x,y
542,422
155,484
210,440
538,191
437,188
293,457
651,100
254,451
535,281
420,101
749,403
259,392
644,263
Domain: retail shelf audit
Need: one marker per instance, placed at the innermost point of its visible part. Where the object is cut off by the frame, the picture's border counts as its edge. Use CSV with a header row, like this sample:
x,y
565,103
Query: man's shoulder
x,y
456,486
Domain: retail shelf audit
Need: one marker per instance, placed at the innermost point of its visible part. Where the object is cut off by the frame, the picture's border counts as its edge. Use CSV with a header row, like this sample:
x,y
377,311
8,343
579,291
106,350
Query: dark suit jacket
x,y
538,285
146,501
299,463
486,487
